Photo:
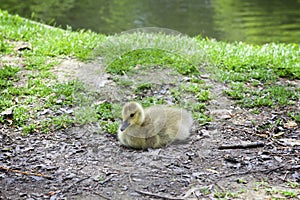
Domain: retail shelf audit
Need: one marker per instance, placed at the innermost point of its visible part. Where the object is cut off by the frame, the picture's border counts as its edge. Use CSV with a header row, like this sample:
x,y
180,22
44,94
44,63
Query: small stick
x,y
101,195
72,185
25,173
106,180
254,171
159,195
242,146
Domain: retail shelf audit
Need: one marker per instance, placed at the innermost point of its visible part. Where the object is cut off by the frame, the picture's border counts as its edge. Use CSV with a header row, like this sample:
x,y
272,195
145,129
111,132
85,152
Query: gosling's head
x,y
133,114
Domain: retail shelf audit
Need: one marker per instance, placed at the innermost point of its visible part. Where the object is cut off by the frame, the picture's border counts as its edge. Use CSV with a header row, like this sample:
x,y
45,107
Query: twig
x,y
130,179
25,173
159,195
106,180
219,186
72,185
264,170
242,146
101,195
285,175
193,190
293,167
255,171
190,192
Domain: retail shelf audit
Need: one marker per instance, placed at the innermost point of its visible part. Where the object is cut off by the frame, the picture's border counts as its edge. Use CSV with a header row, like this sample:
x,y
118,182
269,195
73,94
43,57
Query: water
x,y
251,21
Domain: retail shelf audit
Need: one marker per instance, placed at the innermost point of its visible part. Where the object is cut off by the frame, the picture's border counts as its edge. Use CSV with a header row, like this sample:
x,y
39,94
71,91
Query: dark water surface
x,y
251,21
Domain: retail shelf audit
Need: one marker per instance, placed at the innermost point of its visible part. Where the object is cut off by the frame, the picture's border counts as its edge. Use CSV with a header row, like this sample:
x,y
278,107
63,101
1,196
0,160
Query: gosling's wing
x,y
177,123
156,118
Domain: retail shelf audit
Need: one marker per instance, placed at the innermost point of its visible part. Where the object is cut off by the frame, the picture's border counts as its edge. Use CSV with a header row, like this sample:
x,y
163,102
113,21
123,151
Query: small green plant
x,y
107,114
295,116
123,82
288,193
20,115
62,121
255,111
201,118
3,45
226,195
142,87
243,190
261,185
197,80
197,107
237,91
104,111
29,128
192,87
101,178
203,96
205,191
293,184
241,180
151,100
8,76
109,126
275,192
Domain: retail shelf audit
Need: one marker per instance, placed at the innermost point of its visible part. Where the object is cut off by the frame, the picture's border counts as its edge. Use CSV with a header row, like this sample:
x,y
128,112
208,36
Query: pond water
x,y
251,21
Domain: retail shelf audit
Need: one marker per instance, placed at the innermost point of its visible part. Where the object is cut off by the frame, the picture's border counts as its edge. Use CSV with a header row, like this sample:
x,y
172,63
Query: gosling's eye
x,y
132,114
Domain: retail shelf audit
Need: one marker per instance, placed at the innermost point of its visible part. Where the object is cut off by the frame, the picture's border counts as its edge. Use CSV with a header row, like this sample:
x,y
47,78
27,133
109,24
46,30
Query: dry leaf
x,y
8,111
290,124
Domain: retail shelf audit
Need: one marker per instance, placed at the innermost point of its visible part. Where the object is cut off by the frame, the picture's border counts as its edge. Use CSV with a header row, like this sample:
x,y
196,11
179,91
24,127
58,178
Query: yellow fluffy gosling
x,y
153,127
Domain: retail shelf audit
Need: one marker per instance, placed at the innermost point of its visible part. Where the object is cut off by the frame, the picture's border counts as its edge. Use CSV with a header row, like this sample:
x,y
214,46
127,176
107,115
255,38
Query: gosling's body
x,y
153,127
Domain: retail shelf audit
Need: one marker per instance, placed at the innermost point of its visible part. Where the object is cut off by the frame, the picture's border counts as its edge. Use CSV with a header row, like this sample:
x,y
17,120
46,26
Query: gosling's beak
x,y
124,125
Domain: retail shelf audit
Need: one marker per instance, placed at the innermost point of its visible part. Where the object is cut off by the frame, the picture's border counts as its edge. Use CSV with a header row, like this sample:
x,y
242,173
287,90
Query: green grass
x,y
151,57
107,113
46,40
295,116
29,101
288,192
269,95
245,67
254,74
264,189
8,76
171,47
226,195
27,87
260,62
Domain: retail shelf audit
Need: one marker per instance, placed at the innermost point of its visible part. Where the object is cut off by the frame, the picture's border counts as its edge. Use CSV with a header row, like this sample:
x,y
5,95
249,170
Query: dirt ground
x,y
82,163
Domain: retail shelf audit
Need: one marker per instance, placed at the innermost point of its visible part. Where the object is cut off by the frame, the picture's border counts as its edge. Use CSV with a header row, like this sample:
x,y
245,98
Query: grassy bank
x,y
33,101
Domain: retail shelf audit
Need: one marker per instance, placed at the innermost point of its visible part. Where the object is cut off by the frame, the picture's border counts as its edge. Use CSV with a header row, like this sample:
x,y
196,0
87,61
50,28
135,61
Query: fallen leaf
x,y
278,159
279,134
290,124
8,111
222,113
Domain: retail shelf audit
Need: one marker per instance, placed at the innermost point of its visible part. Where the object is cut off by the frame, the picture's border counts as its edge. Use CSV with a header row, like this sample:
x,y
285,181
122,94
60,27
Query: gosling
x,y
153,127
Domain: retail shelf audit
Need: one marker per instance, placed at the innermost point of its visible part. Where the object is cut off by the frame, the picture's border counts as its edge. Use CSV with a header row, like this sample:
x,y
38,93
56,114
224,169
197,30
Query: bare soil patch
x,y
82,163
